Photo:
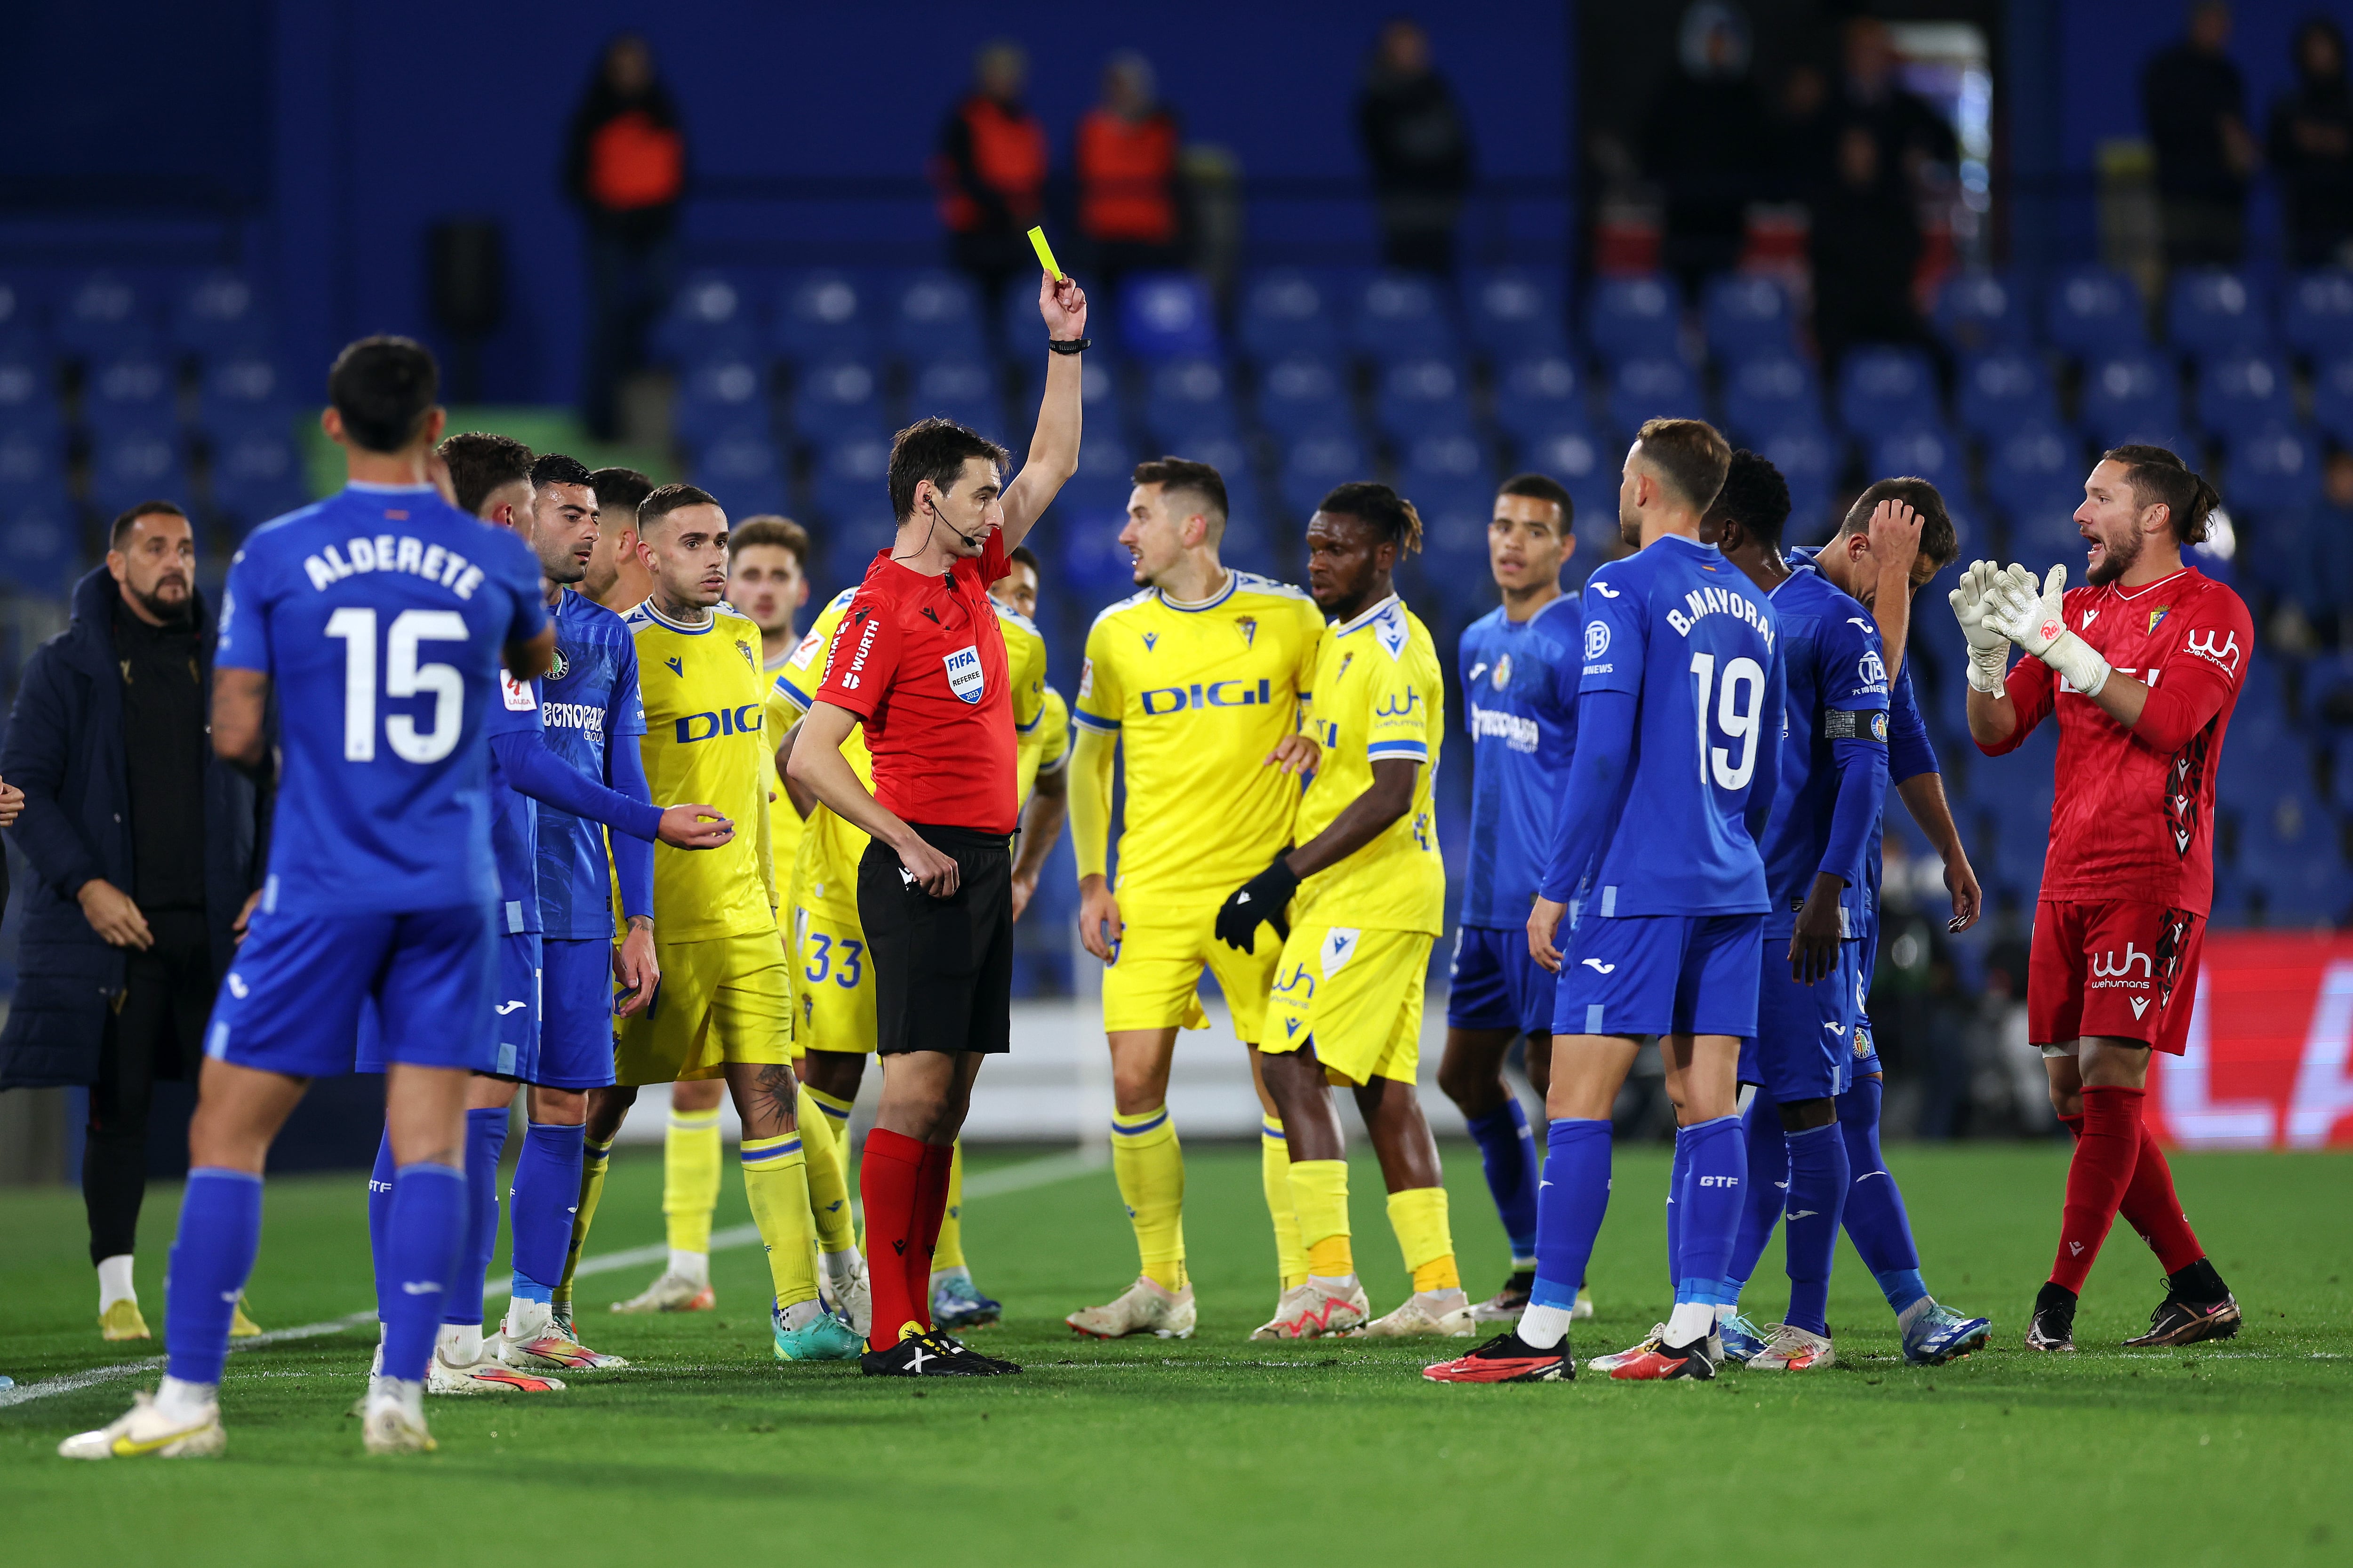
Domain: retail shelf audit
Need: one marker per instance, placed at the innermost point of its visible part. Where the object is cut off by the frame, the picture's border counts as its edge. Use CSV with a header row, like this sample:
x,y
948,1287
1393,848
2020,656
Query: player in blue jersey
x,y
1679,710
376,621
1883,562
1519,670
1811,993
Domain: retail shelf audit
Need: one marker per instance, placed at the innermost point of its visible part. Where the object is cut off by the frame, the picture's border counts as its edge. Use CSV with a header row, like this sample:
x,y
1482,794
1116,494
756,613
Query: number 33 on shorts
x,y
833,984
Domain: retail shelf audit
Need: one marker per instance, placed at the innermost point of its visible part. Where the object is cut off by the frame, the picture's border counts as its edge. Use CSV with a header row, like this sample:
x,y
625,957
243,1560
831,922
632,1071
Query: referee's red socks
x,y
889,1182
930,1213
2150,1205
2107,1153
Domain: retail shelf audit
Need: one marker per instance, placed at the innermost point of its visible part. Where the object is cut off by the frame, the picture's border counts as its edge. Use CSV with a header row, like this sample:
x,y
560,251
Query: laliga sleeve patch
x,y
518,694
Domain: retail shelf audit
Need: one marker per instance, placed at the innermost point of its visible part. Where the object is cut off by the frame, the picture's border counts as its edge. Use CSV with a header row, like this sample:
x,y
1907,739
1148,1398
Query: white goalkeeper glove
x,y
1989,649
2032,618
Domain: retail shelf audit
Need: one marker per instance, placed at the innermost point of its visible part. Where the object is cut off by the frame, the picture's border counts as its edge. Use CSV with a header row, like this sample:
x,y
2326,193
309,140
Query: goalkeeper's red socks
x,y
2150,1205
2107,1153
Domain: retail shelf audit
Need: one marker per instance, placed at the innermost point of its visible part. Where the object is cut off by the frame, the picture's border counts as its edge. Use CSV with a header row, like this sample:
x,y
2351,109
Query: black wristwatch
x,y
1069,345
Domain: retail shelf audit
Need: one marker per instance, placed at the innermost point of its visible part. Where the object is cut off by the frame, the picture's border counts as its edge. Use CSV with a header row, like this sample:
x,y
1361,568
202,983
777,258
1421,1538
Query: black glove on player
x,y
1264,898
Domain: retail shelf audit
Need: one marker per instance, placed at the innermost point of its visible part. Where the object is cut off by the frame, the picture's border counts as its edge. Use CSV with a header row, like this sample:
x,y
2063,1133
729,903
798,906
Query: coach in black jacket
x,y
146,853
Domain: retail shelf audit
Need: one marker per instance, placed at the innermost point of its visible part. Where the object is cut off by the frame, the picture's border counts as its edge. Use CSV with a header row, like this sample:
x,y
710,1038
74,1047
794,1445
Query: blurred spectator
x,y
2304,558
991,171
624,164
1419,144
1917,144
2311,148
1130,206
1706,141
2195,104
1866,244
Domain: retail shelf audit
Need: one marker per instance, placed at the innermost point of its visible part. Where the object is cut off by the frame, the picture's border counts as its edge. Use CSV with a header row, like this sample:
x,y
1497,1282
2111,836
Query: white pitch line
x,y
1042,1172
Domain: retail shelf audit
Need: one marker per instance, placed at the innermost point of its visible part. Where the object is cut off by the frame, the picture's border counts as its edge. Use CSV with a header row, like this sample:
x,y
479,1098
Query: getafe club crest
x,y
560,668
1504,673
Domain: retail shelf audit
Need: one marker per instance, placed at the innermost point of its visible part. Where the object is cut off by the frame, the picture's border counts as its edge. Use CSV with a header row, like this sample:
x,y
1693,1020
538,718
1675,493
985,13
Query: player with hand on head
x,y
1194,686
376,620
1519,666
2141,667
1365,895
1895,537
1679,716
919,667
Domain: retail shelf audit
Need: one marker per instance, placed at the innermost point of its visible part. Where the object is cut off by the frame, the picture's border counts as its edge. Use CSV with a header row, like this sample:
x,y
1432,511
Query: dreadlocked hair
x,y
1380,507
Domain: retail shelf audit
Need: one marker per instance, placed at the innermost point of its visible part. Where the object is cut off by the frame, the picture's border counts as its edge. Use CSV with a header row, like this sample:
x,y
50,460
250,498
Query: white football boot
x,y
1311,1312
672,1292
1788,1348
1426,1314
1146,1307
146,1431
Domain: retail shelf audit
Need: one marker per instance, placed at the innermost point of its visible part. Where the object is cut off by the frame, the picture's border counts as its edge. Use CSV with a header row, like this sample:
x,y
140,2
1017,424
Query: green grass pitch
x,y
1216,1450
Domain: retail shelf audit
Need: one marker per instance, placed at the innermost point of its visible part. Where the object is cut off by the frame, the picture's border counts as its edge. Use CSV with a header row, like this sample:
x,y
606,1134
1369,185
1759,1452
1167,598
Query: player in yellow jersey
x,y
1196,683
833,982
721,1009
1366,895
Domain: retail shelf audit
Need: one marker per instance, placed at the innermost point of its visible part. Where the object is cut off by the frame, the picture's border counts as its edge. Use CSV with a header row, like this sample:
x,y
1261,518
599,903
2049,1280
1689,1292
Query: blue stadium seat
x,y
709,314
2092,312
1304,393
1314,464
135,465
2212,310
1093,566
1167,315
1401,316
1882,390
1106,462
136,391
2276,468
744,471
2134,392
103,315
242,390
721,396
28,396
1978,312
965,390
41,540
1249,544
937,315
2003,392
1216,446
1770,394
1539,391
257,474
1189,395
838,398
1588,471
21,328
1653,388
2317,318
32,463
220,314
824,315
1419,395
1288,312
1747,314
1809,462
852,484
2027,468
2332,399
1447,460
1514,313
2238,393
1636,318
1929,452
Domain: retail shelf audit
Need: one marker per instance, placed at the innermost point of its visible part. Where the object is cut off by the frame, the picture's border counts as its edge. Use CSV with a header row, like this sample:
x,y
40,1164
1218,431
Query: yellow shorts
x,y
833,983
1153,979
1356,996
721,1001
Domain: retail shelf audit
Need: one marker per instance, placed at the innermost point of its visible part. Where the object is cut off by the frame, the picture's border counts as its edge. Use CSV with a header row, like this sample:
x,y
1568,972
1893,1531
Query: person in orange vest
x,y
991,168
1129,203
625,166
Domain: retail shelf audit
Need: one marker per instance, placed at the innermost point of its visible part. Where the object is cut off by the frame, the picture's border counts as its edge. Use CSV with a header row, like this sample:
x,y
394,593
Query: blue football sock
x,y
1874,1218
1817,1184
220,1233
424,1247
546,1186
1711,1204
1507,1152
1761,1203
380,1215
486,1140
1575,1196
1678,1173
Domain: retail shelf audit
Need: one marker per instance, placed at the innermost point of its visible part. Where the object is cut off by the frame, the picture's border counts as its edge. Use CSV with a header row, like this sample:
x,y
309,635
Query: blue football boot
x,y
957,1303
1941,1334
1742,1339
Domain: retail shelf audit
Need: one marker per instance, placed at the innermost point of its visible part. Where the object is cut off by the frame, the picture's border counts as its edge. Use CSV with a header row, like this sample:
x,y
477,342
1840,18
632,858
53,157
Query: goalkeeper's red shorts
x,y
2122,970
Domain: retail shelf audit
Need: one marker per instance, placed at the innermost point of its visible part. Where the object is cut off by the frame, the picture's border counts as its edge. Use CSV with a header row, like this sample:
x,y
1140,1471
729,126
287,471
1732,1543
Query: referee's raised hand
x,y
927,869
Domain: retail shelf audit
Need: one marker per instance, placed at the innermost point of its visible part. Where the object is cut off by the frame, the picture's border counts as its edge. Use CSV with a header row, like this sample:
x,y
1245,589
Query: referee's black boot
x,y
990,1366
921,1355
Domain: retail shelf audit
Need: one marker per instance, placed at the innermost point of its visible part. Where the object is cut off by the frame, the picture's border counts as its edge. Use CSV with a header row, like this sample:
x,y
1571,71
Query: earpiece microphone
x,y
970,539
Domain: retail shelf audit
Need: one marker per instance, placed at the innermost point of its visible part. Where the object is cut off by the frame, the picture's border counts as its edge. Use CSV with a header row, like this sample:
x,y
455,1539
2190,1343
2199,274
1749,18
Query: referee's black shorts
x,y
943,967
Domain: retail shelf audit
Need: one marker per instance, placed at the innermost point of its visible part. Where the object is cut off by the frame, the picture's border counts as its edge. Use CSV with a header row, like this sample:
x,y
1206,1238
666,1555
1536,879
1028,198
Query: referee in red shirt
x,y
2141,668
919,663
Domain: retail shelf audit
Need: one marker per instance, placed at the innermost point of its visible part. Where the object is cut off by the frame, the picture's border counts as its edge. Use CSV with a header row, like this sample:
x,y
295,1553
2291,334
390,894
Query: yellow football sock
x,y
1149,1164
836,1117
1274,1175
828,1186
775,1181
1417,1215
1319,1194
593,1156
949,1254
691,1155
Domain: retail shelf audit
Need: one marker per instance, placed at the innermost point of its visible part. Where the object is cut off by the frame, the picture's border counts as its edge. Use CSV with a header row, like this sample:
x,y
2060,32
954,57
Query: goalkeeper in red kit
x,y
2141,669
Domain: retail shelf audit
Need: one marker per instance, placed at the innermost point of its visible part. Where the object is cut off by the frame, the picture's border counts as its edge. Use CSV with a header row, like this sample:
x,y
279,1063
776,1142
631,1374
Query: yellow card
x,y
1045,252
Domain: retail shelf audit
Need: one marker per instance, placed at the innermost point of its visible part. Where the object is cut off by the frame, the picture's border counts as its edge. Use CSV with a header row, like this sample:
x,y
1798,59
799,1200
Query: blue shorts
x,y
513,1012
1804,1033
293,998
1496,985
575,1015
1660,974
